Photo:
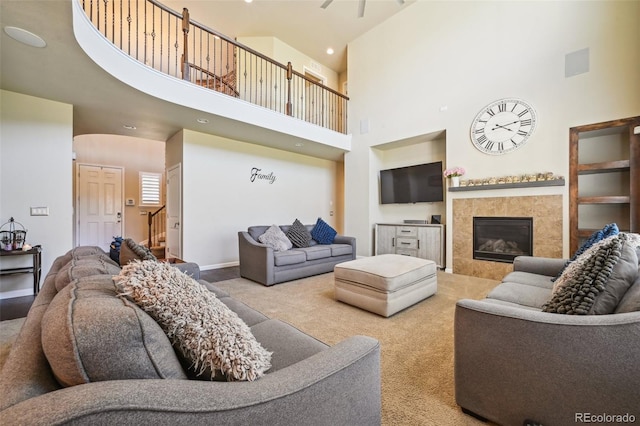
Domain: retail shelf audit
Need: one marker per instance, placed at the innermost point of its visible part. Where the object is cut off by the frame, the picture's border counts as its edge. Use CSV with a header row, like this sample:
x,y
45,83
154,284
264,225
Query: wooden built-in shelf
x,y
612,147
604,167
605,199
555,182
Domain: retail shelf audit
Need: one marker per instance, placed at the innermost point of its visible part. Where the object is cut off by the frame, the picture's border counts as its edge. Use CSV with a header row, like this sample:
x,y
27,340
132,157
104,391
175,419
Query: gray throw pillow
x,y
631,300
90,335
85,266
606,272
209,334
299,234
276,239
130,250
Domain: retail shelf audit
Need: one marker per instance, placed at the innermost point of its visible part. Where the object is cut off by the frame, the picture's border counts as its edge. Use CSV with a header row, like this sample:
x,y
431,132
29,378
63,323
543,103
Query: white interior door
x,y
174,211
99,205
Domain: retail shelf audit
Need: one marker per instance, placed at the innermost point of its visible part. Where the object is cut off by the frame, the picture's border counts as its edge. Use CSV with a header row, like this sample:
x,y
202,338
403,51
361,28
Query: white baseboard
x,y
16,293
219,265
448,270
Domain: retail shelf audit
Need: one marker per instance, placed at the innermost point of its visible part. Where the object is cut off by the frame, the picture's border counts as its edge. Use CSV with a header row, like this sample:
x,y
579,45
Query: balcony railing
x,y
172,43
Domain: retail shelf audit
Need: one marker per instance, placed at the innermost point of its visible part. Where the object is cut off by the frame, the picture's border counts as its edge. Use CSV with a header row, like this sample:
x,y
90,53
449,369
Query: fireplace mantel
x,y
555,182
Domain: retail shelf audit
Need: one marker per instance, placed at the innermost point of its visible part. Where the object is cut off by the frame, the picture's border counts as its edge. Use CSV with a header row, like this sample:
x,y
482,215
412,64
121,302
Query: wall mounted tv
x,y
412,184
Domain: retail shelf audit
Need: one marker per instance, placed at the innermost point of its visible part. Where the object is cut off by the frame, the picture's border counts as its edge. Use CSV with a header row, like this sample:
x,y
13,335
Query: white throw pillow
x,y
276,239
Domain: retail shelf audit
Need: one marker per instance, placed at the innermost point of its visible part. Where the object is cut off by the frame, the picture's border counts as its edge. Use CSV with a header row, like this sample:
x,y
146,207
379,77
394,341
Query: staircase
x,y
157,224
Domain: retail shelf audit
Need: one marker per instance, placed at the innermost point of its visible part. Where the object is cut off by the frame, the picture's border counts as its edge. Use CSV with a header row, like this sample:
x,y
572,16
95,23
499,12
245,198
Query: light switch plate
x,y
39,211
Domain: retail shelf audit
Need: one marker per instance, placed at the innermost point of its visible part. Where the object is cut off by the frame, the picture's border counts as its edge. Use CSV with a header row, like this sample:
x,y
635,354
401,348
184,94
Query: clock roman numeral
x,y
522,133
502,107
482,139
523,113
490,112
526,122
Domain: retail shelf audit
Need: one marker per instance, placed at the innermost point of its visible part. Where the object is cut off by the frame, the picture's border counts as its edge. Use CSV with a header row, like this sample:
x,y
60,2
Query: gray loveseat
x,y
309,382
261,263
514,362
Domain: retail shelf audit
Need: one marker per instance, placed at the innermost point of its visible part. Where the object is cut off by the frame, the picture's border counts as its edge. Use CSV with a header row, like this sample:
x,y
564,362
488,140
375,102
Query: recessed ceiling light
x,y
248,1
129,127
329,51
24,36
202,120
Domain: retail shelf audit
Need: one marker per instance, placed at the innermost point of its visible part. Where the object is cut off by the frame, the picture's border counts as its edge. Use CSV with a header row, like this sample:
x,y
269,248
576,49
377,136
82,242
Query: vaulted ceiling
x,y
62,71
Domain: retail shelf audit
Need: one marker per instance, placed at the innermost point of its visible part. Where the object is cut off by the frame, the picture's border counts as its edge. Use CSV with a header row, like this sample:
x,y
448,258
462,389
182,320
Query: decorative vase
x,y
455,181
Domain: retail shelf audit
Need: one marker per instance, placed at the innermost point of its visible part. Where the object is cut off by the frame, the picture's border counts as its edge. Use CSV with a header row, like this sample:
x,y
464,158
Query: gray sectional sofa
x,y
130,373
261,263
514,362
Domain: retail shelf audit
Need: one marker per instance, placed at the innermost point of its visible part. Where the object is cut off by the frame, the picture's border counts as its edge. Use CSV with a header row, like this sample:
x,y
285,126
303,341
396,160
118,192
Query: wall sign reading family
x,y
256,174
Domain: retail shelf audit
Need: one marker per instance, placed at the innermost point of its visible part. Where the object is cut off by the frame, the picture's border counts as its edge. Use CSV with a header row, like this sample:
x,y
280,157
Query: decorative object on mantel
x,y
503,183
533,177
12,238
454,174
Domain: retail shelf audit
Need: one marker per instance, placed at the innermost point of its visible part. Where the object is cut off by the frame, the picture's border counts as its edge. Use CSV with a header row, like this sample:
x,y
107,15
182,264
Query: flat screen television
x,y
412,184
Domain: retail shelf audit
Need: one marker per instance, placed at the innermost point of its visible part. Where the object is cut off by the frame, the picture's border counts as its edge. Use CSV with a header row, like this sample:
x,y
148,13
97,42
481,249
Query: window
x,y
150,194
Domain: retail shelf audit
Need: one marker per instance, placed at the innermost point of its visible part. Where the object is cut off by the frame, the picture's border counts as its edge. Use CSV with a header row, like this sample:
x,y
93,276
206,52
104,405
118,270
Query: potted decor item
x,y
454,174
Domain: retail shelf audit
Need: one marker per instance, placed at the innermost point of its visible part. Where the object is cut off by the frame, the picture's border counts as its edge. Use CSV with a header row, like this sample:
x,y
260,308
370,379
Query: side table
x,y
35,269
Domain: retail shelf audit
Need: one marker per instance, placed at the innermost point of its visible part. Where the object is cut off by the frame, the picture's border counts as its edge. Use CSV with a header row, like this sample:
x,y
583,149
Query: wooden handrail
x,y
214,77
152,35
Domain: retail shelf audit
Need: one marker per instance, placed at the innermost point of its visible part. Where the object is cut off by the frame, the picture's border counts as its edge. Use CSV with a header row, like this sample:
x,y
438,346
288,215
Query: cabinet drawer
x,y
407,231
407,252
406,243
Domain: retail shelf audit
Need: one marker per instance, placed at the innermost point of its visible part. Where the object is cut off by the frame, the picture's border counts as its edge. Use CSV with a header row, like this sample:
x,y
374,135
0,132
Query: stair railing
x,y
157,225
173,43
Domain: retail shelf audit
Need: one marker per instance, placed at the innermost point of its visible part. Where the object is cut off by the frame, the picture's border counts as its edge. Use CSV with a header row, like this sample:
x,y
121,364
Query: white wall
x,y
464,55
219,198
35,171
283,53
415,153
135,155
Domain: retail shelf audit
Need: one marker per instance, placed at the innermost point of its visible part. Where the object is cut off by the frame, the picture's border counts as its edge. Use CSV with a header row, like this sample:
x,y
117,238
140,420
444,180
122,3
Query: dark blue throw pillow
x,y
323,233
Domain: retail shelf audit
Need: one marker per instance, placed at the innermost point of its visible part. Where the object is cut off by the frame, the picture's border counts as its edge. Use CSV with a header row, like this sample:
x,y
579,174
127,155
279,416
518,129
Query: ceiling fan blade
x,y
361,8
326,4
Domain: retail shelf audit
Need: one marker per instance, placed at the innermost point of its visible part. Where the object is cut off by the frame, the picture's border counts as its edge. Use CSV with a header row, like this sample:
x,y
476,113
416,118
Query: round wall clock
x,y
503,126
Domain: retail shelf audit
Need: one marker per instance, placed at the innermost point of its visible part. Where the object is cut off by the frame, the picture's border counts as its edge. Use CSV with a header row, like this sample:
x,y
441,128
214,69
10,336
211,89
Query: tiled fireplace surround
x,y
546,211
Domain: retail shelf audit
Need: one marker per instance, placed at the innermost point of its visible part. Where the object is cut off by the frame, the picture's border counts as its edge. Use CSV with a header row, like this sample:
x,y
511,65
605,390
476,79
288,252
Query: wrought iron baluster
x,y
220,63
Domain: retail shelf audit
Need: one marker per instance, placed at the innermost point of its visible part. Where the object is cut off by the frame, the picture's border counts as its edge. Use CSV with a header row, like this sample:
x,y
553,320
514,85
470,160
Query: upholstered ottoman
x,y
385,284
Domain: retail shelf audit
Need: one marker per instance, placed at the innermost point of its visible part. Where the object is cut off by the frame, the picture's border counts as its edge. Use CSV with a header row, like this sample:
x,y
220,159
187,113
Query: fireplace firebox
x,y
502,239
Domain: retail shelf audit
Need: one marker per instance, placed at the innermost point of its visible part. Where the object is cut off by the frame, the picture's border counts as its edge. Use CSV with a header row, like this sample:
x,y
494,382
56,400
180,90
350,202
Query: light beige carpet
x,y
8,333
417,343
